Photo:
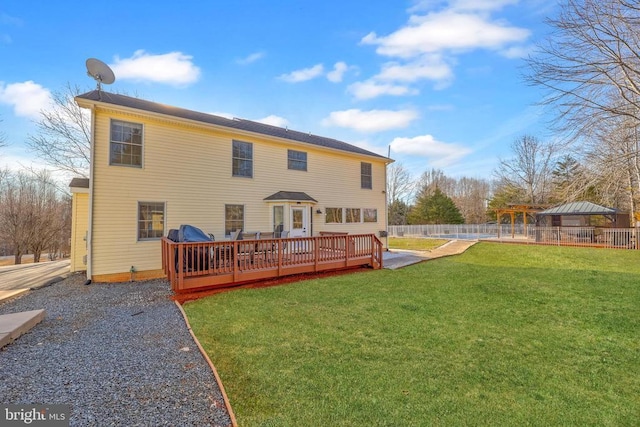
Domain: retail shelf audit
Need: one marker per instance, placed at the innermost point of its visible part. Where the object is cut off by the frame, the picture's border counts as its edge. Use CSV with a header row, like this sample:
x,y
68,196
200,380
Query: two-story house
x,y
154,167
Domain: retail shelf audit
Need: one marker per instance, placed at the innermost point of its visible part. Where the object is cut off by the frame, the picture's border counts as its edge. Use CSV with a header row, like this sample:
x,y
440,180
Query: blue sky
x,y
438,81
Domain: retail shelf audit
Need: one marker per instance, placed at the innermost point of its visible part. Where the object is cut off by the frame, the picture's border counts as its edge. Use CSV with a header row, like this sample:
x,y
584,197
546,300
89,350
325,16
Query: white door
x,y
299,221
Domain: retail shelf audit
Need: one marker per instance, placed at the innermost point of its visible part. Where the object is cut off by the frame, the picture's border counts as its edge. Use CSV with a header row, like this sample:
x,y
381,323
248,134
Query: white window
x,y
370,215
126,144
352,215
242,159
233,218
297,160
365,176
150,220
333,215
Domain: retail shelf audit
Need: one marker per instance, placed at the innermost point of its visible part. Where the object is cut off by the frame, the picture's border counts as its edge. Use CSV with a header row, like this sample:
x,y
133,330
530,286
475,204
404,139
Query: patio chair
x,y
265,250
246,251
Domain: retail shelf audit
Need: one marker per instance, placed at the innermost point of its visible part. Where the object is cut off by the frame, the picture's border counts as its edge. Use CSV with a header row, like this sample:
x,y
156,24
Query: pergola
x,y
514,209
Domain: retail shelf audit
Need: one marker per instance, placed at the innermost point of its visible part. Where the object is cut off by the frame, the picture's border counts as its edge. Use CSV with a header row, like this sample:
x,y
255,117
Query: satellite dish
x,y
100,72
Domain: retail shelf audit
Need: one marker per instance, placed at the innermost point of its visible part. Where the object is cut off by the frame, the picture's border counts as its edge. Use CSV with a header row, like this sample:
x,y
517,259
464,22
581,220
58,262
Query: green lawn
x,y
417,244
501,335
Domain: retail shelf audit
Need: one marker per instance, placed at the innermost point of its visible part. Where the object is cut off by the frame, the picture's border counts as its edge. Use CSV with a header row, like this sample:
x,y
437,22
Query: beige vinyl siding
x,y
79,227
189,169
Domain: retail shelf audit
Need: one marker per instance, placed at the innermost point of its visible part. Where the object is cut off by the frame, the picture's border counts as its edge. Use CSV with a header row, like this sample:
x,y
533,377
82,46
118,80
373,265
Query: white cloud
x,y
339,69
274,120
439,153
371,89
222,114
27,98
481,5
174,68
446,30
516,52
430,67
371,121
303,74
251,58
427,46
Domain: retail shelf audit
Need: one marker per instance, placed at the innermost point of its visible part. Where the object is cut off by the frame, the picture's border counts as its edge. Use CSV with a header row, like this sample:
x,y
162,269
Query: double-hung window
x,y
297,160
242,159
126,144
150,220
233,218
365,176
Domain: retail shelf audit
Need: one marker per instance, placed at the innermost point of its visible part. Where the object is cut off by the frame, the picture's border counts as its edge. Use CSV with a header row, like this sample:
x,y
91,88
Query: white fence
x,y
622,238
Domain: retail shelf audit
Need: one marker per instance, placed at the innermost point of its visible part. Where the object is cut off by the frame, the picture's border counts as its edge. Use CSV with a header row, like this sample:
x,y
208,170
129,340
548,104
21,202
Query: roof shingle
x,y
241,124
579,208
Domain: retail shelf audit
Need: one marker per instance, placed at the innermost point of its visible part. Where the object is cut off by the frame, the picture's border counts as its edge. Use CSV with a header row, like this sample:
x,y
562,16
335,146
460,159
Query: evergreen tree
x,y
437,208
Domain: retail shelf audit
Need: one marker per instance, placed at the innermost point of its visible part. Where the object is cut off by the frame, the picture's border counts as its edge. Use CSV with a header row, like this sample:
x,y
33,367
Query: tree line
x,y
35,216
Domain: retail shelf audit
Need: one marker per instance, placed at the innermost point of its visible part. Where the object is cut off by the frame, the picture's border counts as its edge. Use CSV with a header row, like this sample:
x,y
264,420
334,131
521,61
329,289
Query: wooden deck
x,y
193,266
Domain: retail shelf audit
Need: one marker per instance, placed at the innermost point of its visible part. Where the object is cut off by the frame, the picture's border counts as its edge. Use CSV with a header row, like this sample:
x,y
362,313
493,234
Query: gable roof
x,y
291,195
79,183
240,124
579,208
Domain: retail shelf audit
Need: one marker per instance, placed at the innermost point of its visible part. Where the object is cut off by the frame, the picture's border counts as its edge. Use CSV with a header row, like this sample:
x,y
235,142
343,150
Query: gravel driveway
x,y
119,354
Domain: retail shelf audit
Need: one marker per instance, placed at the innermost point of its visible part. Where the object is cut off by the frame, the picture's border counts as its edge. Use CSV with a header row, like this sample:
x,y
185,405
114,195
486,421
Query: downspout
x,y
386,200
91,177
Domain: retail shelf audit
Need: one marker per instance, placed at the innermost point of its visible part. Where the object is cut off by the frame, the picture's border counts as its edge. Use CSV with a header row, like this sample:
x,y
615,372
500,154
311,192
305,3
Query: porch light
x,y
319,211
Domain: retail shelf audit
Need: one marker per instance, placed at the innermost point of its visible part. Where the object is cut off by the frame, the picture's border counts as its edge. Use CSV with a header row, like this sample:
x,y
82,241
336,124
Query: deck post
x,y
374,251
236,260
346,250
181,265
316,255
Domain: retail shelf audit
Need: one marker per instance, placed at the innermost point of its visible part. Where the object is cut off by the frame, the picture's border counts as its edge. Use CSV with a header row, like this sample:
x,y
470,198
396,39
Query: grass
x,y
501,335
417,244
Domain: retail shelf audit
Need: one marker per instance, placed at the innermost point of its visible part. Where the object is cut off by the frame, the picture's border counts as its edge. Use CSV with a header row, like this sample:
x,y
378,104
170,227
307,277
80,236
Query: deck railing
x,y
190,266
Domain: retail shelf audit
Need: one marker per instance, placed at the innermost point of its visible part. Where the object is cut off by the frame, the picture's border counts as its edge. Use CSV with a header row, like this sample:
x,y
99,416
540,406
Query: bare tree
x,y
31,213
400,187
470,196
63,140
613,156
14,223
435,179
529,168
590,64
46,213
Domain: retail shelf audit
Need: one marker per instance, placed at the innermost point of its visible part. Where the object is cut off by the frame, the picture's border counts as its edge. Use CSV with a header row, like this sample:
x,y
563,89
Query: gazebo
x,y
584,223
582,214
